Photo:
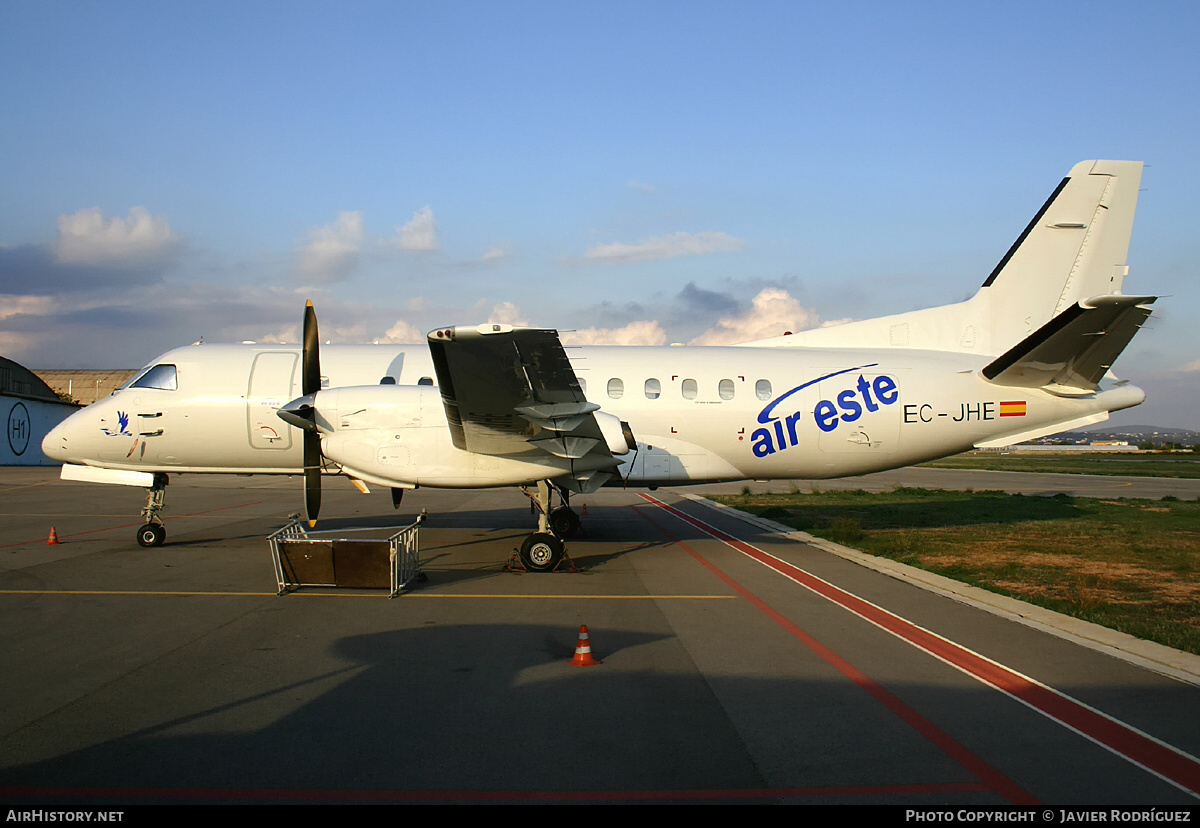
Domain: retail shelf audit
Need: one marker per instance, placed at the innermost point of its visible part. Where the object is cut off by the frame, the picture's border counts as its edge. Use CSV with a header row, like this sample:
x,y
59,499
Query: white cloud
x,y
507,313
642,187
13,305
663,247
772,312
88,237
497,252
284,333
404,333
420,233
331,252
1192,366
646,332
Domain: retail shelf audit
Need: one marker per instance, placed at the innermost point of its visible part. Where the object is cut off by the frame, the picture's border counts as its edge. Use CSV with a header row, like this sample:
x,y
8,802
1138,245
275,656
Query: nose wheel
x,y
153,533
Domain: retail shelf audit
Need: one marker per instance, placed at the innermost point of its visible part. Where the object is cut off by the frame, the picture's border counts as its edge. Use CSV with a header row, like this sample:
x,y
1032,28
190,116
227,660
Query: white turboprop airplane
x,y
494,405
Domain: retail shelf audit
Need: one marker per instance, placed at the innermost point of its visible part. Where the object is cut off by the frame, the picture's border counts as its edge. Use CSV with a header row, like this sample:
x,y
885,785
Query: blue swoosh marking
x,y
764,416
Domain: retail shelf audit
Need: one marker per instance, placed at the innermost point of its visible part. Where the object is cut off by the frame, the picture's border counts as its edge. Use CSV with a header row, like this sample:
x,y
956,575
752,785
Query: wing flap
x,y
511,391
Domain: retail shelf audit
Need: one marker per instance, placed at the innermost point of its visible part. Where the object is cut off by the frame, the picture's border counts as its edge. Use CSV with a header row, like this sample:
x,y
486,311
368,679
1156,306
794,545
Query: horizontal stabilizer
x,y
1073,351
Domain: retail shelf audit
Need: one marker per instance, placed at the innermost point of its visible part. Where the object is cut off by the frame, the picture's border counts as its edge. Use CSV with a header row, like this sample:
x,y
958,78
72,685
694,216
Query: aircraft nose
x,y
57,442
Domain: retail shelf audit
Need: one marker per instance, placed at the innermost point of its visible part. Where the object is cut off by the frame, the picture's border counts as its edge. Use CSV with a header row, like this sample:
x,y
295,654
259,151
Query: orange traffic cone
x,y
583,650
53,539
585,508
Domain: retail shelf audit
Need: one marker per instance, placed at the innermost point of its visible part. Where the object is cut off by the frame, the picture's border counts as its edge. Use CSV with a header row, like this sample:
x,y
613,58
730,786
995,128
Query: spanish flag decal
x,y
1012,408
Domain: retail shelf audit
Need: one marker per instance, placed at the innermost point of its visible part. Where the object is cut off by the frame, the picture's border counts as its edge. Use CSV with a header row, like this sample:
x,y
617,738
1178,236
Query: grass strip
x,y
1128,564
1148,465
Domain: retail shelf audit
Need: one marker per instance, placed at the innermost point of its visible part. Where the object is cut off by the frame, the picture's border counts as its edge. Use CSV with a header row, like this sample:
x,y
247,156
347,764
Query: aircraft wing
x,y
1070,353
512,390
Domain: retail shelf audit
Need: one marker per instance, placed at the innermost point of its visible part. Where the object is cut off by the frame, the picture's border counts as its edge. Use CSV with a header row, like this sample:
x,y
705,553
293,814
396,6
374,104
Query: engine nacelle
x,y
361,407
397,435
617,433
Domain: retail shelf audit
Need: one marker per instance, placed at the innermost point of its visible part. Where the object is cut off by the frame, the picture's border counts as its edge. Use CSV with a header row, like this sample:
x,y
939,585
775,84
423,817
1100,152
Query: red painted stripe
x,y
1164,761
994,780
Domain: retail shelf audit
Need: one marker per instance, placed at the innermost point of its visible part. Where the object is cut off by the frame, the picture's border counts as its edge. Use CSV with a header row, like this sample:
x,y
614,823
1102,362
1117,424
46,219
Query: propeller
x,y
310,384
302,413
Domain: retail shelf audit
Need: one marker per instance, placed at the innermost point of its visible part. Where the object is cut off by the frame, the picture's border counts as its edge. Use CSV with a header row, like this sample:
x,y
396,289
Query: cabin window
x,y
425,381
388,381
688,387
616,388
725,389
762,389
161,376
653,389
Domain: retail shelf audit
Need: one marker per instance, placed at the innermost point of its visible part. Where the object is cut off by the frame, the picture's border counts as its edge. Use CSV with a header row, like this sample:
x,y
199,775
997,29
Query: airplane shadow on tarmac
x,y
451,713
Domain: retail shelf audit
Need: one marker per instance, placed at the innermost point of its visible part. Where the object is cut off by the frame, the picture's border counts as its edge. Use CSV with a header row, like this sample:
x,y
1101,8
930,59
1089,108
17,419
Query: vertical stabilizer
x,y
1073,250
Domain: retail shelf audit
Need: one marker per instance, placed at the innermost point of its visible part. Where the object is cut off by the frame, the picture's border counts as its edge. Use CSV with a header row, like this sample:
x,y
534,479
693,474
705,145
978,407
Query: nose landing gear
x,y
153,532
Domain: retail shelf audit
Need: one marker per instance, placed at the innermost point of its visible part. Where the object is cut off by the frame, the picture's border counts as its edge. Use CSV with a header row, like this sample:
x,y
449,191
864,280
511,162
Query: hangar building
x,y
29,408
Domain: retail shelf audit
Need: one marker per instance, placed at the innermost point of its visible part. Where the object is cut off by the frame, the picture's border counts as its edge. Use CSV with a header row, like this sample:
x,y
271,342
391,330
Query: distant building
x,y
29,408
85,386
1095,448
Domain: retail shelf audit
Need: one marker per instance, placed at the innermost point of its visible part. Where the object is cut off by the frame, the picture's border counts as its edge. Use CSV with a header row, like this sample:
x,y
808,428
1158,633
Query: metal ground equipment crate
x,y
304,559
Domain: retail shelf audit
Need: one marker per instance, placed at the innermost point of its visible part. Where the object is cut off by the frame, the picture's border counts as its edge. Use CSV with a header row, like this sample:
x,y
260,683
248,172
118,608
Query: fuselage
x,y
698,413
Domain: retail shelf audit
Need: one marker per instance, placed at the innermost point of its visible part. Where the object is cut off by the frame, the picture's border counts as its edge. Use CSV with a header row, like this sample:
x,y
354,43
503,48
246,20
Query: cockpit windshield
x,y
162,376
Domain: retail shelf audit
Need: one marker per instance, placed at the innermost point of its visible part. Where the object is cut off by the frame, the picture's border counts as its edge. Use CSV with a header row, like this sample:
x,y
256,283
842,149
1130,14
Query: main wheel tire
x,y
152,534
541,552
564,522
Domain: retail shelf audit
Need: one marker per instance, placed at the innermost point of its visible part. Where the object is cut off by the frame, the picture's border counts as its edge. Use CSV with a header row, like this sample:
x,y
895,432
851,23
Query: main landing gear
x,y
543,551
153,532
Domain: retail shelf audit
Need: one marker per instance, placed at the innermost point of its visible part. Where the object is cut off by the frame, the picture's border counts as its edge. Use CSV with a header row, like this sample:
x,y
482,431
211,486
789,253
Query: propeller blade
x,y
310,382
312,476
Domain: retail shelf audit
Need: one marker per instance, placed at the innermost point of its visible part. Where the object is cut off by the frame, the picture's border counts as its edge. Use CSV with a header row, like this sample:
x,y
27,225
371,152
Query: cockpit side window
x,y
162,376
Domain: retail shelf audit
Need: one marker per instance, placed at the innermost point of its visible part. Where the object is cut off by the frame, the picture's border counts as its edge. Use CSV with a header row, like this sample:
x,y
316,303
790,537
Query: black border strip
x,y
1012,250
1039,337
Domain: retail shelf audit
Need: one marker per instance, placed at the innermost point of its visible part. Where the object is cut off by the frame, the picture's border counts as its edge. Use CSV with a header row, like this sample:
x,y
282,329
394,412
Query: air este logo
x,y
863,397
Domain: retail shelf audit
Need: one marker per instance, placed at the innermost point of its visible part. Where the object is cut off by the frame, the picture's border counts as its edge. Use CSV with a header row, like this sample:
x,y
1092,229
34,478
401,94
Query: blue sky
x,y
635,171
